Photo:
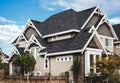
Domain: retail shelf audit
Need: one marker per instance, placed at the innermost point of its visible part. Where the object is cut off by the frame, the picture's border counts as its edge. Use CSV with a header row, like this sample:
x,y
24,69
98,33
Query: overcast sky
x,y
15,13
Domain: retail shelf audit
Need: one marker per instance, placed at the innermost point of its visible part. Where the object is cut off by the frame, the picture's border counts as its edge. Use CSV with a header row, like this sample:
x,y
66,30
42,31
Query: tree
x,y
18,63
76,70
92,76
108,66
26,61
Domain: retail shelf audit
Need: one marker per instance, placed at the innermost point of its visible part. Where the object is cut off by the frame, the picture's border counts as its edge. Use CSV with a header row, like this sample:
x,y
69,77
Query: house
x,y
62,38
116,28
3,57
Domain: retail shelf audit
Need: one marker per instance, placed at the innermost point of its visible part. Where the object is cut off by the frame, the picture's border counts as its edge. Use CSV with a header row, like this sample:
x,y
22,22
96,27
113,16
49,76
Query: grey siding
x,y
104,29
29,32
94,20
117,50
60,67
93,44
40,66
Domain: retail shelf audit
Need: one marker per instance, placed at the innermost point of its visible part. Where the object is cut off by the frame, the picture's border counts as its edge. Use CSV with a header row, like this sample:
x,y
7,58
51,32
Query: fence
x,y
37,79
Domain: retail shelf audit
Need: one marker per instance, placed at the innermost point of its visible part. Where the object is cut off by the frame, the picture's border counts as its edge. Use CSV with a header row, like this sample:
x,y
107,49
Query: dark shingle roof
x,y
75,43
63,21
116,28
21,50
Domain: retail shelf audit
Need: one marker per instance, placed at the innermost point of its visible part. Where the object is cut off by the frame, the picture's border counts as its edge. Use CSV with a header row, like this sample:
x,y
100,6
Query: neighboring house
x,y
116,28
57,41
3,57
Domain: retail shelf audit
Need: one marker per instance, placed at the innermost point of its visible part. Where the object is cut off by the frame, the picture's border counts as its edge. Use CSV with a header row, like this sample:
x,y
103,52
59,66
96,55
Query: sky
x,y
15,13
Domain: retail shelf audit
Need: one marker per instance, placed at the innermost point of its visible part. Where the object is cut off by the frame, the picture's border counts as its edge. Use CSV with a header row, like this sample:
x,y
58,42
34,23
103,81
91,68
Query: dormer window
x,y
61,37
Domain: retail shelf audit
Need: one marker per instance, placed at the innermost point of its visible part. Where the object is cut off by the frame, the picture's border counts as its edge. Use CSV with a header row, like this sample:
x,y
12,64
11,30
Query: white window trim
x,y
35,54
64,58
64,52
35,73
89,17
87,58
32,40
45,63
106,37
33,26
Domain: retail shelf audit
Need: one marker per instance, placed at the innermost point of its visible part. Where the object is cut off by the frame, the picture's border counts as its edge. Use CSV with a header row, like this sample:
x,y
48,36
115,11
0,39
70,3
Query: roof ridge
x,y
87,9
69,10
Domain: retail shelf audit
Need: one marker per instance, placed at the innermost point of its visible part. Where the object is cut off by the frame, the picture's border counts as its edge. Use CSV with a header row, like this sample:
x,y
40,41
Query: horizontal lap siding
x,y
60,67
40,66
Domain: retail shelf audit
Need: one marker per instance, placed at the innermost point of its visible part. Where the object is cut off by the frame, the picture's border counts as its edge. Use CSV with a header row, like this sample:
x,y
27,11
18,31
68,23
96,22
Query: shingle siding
x,y
105,30
29,32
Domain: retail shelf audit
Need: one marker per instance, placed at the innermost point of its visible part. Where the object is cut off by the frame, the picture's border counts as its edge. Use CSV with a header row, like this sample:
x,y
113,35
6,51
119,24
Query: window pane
x,y
46,64
97,59
65,58
32,52
61,59
91,70
97,70
108,42
91,61
37,50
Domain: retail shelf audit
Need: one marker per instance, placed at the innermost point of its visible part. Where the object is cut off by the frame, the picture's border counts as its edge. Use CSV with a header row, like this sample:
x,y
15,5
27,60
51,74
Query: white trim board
x,y
33,26
60,33
65,52
89,17
93,34
31,40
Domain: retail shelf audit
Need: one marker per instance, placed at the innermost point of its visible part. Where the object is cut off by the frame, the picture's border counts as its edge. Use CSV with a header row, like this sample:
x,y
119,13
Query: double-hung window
x,y
108,42
93,60
92,56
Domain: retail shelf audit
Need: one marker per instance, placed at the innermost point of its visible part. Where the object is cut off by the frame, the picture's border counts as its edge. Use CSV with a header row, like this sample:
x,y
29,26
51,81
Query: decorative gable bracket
x,y
32,40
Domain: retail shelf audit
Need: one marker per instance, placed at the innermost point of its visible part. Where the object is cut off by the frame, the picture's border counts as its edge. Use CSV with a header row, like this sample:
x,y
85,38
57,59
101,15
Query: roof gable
x,y
116,28
33,40
64,21
104,29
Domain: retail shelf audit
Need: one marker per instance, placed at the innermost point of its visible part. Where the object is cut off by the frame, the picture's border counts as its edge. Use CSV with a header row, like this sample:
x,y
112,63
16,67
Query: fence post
x,y
50,76
3,73
11,79
20,79
67,76
45,78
